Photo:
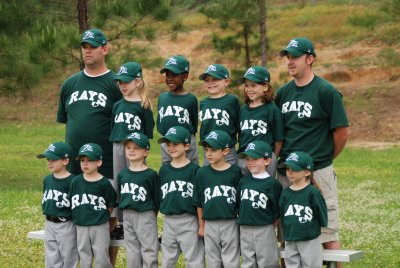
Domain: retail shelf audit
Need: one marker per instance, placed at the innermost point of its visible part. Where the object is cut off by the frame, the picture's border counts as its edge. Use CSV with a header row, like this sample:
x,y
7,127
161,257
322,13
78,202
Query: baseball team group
x,y
267,179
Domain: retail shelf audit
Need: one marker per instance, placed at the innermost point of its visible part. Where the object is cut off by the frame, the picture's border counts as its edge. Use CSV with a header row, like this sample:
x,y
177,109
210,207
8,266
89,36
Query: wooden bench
x,y
330,256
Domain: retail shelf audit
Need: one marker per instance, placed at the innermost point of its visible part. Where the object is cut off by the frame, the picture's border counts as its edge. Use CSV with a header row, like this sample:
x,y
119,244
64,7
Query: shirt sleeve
x,y
148,123
319,209
61,113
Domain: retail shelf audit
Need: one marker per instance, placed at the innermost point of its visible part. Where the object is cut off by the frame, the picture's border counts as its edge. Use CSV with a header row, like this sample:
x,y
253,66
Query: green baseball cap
x,y
139,138
177,64
128,72
257,74
217,139
95,37
298,161
298,47
217,71
176,134
92,150
257,149
56,150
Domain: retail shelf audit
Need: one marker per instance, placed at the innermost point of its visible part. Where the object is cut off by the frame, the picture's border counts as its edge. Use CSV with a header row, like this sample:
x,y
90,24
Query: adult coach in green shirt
x,y
86,102
315,122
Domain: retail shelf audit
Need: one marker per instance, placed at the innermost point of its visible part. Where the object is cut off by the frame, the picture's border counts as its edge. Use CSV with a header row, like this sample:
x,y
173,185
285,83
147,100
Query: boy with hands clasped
x,y
92,201
180,232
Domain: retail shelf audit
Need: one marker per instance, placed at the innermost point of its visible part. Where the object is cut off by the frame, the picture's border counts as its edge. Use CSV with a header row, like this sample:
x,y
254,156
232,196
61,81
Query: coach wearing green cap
x,y
315,122
86,101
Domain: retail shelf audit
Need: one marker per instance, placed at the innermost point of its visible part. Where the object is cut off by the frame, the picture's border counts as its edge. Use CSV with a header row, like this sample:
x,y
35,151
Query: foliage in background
x,y
38,37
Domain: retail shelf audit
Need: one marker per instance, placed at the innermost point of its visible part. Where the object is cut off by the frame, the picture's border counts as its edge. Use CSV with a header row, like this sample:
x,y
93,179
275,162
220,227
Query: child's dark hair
x,y
269,94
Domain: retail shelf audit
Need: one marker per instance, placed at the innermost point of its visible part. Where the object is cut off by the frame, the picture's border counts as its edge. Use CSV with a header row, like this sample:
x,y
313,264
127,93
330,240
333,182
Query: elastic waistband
x,y
57,219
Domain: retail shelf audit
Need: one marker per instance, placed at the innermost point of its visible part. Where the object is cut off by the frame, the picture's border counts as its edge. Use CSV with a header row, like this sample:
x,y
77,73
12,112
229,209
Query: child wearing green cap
x,y
219,111
177,107
92,201
177,181
215,196
60,232
258,208
139,191
260,118
303,212
130,114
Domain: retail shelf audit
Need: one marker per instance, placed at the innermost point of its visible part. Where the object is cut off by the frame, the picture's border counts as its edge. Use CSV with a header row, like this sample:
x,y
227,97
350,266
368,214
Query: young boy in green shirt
x,y
259,208
177,107
92,201
215,196
177,181
60,231
219,111
139,201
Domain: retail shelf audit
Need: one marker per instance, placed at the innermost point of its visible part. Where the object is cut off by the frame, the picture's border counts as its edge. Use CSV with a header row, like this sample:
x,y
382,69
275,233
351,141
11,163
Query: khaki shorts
x,y
326,178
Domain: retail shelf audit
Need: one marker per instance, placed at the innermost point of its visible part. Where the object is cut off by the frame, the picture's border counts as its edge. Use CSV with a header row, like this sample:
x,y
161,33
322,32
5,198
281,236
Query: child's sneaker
x,y
117,233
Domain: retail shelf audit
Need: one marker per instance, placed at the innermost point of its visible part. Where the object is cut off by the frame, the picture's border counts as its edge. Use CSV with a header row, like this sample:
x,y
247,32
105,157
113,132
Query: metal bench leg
x,y
331,264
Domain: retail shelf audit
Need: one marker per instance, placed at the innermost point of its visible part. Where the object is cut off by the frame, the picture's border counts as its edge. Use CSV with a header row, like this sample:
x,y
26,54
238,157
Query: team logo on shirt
x,y
96,99
181,113
304,213
138,192
55,195
134,122
220,191
97,202
221,117
186,188
257,127
258,200
303,109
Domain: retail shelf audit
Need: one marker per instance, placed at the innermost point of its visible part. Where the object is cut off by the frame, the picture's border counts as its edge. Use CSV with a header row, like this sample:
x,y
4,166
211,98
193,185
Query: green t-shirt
x,y
177,189
216,192
303,213
55,201
264,122
177,110
259,200
220,114
90,200
139,190
85,106
311,113
129,117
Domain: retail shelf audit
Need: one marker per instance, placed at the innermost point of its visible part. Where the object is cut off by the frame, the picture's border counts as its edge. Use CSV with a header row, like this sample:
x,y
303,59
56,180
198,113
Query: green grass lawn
x,y
368,196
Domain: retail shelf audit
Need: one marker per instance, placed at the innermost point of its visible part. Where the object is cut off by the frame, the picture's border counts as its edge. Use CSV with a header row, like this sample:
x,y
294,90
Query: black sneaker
x,y
117,233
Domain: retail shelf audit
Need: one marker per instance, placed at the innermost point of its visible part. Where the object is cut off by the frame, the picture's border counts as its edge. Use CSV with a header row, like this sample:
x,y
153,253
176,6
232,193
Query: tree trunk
x,y
246,45
83,19
263,33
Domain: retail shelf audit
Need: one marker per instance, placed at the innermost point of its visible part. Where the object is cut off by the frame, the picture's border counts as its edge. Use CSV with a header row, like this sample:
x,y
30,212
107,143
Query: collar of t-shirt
x,y
261,175
95,75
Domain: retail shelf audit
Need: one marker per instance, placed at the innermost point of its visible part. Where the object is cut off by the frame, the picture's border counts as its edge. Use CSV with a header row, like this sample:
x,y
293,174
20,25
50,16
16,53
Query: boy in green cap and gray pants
x,y
92,201
219,111
259,208
177,107
215,196
60,232
177,181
